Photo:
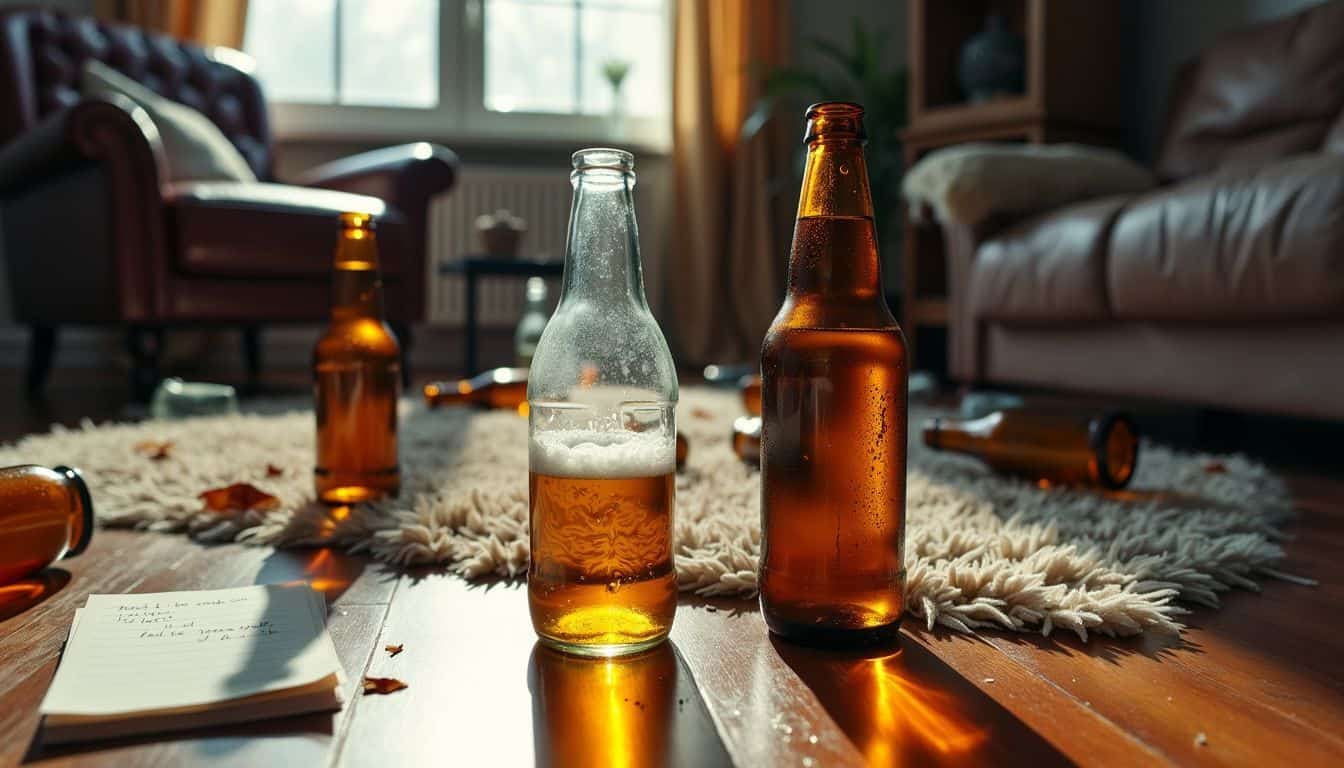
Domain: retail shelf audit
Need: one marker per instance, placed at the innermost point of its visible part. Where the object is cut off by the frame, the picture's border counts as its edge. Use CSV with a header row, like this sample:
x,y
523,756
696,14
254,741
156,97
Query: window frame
x,y
460,115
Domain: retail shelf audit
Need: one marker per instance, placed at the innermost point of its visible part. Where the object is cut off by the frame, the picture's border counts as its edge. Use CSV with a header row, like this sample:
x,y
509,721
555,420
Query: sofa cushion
x,y
1239,245
1052,267
195,147
239,230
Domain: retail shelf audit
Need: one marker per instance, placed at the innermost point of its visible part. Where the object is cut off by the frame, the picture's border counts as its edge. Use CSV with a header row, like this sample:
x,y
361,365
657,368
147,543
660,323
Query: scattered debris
x,y
989,679
155,450
393,650
382,685
240,496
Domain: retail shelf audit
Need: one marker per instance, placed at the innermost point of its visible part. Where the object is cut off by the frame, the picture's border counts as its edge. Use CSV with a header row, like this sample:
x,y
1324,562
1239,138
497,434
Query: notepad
x,y
149,663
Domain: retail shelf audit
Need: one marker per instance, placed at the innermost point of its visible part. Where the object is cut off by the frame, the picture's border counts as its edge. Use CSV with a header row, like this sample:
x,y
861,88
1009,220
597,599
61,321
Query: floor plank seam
x,y
348,716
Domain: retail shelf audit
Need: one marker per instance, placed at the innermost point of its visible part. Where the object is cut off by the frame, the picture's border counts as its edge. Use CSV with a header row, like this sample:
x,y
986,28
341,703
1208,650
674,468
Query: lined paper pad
x,y
176,653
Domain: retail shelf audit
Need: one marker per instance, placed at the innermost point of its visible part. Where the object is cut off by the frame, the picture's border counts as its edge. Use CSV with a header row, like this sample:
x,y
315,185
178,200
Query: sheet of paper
x,y
131,653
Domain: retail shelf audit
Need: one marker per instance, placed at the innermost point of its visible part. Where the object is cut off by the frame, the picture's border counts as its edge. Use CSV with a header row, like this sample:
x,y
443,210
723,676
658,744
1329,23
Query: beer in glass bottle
x,y
602,394
356,377
833,412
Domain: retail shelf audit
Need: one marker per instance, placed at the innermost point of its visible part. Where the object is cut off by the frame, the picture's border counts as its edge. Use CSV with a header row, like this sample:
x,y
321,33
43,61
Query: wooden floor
x,y
1260,681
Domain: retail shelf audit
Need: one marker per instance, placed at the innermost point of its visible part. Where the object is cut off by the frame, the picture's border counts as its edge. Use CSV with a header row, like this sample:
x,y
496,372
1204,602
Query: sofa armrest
x,y
971,184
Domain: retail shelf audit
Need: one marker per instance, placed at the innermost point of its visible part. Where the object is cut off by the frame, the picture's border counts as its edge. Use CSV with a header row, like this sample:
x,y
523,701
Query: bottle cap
x,y
85,502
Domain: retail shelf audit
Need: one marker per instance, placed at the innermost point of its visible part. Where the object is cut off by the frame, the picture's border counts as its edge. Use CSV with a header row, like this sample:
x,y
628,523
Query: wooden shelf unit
x,y
1073,66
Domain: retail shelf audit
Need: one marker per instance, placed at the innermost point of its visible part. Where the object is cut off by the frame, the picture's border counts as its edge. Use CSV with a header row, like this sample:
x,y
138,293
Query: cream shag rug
x,y
981,551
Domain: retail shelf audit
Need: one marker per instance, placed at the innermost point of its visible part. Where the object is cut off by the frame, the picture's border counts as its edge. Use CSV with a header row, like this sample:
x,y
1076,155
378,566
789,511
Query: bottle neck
x,y
602,251
960,436
357,290
81,511
835,244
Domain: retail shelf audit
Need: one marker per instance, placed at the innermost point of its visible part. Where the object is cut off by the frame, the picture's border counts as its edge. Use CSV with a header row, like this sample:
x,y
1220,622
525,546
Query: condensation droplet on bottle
x,y
844,170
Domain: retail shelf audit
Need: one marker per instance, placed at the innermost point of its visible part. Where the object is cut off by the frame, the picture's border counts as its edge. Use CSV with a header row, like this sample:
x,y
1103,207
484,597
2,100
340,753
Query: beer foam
x,y
593,454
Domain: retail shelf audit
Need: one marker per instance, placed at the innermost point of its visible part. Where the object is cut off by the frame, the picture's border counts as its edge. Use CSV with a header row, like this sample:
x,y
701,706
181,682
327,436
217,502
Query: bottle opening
x,y
1115,447
86,503
835,120
604,159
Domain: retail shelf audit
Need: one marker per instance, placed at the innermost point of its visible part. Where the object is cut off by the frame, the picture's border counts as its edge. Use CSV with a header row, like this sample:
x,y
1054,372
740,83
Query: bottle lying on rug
x,y
1045,445
504,388
45,515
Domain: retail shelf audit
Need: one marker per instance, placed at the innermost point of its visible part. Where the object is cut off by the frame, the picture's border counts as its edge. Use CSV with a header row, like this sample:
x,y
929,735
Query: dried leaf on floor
x,y
1215,467
393,650
701,413
155,450
274,471
239,496
382,685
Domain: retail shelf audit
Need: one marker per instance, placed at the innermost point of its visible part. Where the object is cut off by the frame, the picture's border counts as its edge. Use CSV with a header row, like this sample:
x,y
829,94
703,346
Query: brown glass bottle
x,y
356,378
1052,446
504,388
750,386
833,412
45,515
747,439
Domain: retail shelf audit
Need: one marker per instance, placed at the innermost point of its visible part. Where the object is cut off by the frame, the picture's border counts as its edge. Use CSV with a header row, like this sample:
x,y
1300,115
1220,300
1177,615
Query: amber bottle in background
x,y
498,388
1054,446
750,386
45,515
833,412
747,439
356,378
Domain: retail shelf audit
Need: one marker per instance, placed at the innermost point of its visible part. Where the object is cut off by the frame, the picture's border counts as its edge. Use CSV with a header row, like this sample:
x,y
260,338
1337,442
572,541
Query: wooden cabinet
x,y
1072,93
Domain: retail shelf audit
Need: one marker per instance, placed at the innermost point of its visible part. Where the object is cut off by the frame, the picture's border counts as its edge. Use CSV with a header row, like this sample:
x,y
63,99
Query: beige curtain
x,y
204,22
726,272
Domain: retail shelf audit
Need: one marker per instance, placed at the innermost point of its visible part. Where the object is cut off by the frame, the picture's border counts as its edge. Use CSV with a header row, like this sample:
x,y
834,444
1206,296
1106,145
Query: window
x,y
450,69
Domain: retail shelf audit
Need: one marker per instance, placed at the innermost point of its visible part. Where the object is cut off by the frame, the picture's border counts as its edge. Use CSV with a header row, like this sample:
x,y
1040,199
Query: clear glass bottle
x,y
833,412
532,323
602,393
45,515
356,377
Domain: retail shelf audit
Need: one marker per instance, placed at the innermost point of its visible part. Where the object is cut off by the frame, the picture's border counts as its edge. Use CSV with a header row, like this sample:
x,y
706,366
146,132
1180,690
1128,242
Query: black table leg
x,y
471,324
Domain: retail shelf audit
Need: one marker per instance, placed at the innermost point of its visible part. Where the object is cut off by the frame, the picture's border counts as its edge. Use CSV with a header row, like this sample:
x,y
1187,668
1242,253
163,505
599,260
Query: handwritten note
x,y
139,653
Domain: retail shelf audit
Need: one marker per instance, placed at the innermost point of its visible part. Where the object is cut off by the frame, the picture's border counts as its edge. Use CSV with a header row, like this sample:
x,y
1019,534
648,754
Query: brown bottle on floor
x,y
45,515
747,439
833,412
504,388
750,385
1050,446
356,378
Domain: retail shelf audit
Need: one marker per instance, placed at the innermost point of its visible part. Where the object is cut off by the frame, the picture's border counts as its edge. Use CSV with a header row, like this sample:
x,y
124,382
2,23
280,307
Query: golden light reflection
x,y
621,708
523,409
17,597
325,573
897,707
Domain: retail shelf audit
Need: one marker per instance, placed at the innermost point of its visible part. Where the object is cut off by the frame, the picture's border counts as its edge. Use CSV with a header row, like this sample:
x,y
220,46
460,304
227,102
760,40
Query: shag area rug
x,y
982,551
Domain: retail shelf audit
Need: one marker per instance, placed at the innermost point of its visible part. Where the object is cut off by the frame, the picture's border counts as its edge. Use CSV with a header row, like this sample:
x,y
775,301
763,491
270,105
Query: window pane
x,y
529,56
390,53
637,39
293,43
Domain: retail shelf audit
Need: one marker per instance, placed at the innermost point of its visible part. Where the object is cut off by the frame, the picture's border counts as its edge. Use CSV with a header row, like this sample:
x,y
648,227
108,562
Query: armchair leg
x,y
252,357
41,351
403,332
145,346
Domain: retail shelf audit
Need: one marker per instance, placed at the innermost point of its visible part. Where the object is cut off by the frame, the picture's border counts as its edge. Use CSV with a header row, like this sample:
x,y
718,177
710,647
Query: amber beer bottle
x,y
498,388
45,515
356,378
833,411
1055,446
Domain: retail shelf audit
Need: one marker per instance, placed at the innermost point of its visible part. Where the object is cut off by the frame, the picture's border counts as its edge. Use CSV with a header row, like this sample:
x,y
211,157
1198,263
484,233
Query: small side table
x,y
473,267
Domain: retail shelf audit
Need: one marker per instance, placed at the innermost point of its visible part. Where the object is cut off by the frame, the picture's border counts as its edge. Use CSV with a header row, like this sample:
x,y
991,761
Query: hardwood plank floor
x,y
1262,679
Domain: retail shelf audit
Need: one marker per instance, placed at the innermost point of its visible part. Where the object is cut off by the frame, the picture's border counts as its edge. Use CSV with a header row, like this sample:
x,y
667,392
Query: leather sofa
x,y
1224,286
96,233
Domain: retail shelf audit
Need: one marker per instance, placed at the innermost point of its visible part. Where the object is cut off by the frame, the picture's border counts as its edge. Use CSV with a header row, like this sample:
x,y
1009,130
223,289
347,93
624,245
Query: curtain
x,y
726,274
203,22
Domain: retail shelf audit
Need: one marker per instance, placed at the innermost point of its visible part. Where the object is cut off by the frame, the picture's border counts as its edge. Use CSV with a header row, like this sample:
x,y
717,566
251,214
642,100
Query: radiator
x,y
540,197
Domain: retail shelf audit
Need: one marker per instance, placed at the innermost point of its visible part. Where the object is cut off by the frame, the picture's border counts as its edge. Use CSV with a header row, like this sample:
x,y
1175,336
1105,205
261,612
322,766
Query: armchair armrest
x,y
119,137
405,176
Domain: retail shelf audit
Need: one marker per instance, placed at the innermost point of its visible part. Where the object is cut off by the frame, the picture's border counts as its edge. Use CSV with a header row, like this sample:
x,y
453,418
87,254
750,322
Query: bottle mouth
x,y
835,120
603,159
357,220
1115,448
86,501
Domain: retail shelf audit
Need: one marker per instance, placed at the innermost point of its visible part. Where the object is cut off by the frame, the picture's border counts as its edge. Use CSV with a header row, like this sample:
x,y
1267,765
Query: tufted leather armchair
x,y
95,232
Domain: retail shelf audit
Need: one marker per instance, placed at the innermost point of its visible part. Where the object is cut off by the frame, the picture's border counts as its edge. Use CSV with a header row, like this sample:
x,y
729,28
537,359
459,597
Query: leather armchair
x,y
95,232
1223,287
